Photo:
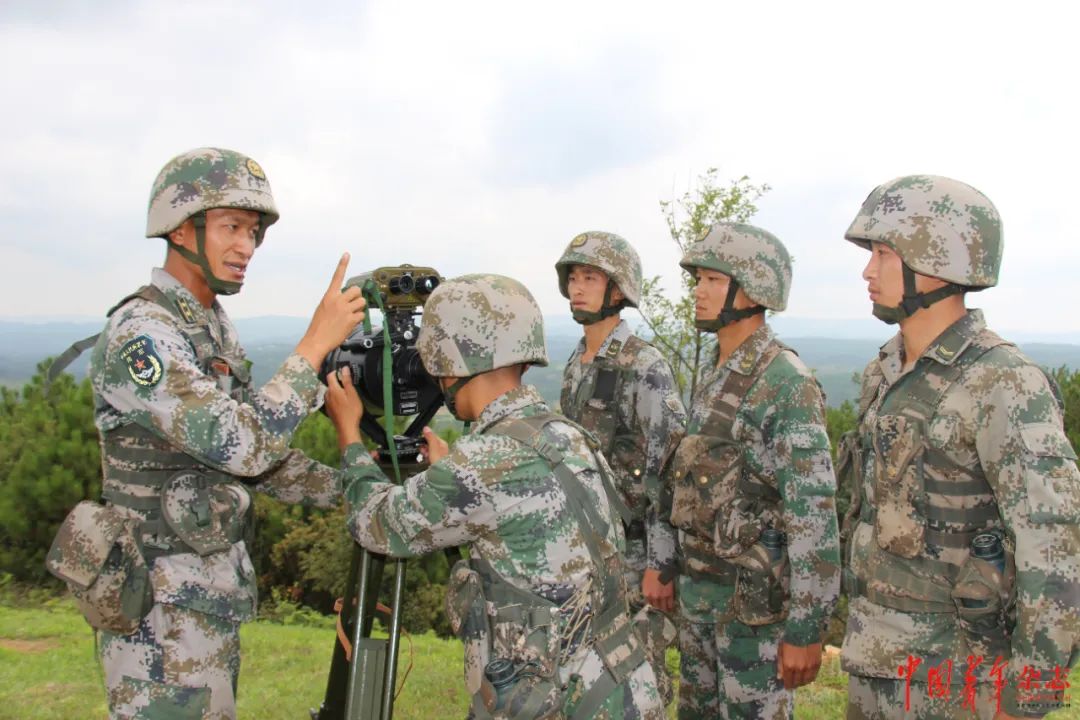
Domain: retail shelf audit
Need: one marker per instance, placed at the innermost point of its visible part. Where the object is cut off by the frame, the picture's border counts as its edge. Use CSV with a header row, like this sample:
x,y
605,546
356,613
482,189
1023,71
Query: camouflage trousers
x,y
658,630
728,670
871,698
180,664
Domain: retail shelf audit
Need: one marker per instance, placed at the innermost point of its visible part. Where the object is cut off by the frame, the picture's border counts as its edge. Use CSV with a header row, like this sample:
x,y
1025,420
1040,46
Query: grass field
x,y
48,672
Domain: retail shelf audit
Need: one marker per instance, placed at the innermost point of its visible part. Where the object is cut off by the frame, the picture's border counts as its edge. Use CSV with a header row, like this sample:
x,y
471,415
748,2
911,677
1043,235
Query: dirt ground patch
x,y
29,646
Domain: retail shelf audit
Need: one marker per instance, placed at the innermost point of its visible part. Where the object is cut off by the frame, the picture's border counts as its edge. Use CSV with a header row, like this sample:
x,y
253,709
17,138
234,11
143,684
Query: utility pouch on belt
x,y
985,604
202,512
527,686
762,581
97,555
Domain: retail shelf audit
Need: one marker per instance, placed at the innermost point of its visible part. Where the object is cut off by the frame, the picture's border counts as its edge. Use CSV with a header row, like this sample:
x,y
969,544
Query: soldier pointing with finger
x,y
185,437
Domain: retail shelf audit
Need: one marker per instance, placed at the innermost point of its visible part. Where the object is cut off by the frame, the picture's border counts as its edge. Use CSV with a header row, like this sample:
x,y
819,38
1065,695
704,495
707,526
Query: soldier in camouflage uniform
x,y
753,494
184,439
543,589
964,528
622,390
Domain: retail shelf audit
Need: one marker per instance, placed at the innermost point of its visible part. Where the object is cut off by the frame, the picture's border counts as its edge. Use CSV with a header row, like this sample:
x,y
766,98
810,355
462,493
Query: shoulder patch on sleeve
x,y
142,361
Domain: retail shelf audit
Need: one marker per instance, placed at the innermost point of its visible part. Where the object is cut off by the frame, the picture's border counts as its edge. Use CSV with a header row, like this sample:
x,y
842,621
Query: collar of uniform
x,y
945,348
621,333
748,354
891,358
950,344
511,402
189,308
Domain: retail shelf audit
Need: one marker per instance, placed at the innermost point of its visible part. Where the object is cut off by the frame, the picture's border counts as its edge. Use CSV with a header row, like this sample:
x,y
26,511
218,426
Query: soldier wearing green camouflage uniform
x,y
184,439
626,396
753,494
964,528
543,586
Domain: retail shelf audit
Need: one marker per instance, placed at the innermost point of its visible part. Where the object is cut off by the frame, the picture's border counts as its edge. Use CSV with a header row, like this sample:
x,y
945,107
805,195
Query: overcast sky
x,y
483,136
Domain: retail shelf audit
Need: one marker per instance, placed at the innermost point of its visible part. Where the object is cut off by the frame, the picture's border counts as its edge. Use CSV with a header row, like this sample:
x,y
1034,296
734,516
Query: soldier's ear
x,y
616,295
184,236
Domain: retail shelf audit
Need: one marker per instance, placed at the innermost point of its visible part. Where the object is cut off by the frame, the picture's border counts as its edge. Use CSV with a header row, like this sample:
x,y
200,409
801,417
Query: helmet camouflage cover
x,y
755,258
938,226
609,252
476,323
203,179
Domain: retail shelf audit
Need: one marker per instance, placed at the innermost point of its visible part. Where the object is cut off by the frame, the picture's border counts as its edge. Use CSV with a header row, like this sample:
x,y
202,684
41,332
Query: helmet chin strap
x,y
589,317
450,396
728,314
913,300
216,284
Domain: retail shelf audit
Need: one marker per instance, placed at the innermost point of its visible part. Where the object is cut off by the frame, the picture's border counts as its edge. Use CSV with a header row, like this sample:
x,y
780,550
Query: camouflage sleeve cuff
x,y
355,455
303,379
803,632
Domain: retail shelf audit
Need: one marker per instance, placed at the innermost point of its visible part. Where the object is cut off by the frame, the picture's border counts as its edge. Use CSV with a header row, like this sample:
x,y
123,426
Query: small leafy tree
x,y
688,217
49,461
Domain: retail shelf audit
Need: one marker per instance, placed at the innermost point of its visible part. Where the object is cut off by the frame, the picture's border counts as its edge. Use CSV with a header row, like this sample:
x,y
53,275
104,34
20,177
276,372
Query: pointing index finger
x,y
339,274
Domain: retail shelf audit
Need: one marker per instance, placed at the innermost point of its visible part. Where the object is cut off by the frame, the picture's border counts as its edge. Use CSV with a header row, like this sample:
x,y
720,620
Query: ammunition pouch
x,y
598,417
706,472
899,486
98,555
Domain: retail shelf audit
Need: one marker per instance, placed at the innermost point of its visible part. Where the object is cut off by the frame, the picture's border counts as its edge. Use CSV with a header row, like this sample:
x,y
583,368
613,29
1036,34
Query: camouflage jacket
x,y
145,373
991,454
781,424
492,493
650,417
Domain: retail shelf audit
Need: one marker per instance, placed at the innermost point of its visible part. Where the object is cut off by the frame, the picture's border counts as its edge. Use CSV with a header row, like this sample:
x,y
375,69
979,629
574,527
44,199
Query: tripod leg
x,y
394,642
333,705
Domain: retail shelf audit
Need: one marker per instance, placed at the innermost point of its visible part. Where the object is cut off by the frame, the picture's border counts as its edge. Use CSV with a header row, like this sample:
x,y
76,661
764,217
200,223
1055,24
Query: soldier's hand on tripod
x,y
435,448
344,407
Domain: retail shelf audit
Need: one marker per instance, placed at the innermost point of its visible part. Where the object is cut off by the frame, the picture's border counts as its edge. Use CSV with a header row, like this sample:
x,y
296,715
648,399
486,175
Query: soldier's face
x,y
710,291
884,276
231,236
586,285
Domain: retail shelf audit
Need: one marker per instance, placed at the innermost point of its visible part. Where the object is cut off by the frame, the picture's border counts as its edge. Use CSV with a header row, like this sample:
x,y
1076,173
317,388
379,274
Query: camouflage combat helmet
x,y
612,254
476,323
754,259
201,180
939,227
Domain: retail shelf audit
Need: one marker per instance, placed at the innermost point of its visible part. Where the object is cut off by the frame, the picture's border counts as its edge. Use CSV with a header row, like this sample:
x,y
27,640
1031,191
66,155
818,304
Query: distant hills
x,y
835,349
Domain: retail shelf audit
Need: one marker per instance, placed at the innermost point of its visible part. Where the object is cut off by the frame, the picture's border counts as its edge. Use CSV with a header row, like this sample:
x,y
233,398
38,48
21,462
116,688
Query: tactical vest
x,y
498,621
595,407
161,501
909,543
731,516
185,505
